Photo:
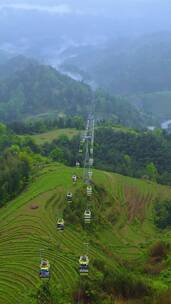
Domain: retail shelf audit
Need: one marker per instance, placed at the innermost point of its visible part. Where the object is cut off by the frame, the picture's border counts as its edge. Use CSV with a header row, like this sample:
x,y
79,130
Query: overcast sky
x,y
105,7
82,20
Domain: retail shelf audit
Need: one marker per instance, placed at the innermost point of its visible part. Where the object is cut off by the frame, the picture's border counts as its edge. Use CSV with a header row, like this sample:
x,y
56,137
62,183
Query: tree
x,y
57,155
151,171
44,294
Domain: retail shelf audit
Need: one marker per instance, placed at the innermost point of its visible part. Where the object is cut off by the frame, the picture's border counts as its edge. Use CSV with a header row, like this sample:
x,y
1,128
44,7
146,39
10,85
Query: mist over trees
x,y
76,22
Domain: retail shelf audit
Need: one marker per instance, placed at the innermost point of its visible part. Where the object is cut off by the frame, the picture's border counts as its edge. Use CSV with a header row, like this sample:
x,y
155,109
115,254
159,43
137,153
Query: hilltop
x,y
121,236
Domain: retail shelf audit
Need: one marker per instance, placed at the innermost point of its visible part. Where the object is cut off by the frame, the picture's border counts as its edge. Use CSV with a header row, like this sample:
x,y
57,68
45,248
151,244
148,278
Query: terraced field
x,y
28,225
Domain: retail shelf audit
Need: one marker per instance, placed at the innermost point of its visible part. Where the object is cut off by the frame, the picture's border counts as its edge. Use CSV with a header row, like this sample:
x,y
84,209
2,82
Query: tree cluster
x,y
137,154
16,159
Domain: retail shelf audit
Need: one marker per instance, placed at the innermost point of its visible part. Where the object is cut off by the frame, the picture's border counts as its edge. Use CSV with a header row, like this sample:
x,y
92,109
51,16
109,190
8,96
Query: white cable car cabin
x,y
91,160
74,179
89,190
77,164
84,264
91,151
90,174
80,150
60,224
81,146
69,197
87,216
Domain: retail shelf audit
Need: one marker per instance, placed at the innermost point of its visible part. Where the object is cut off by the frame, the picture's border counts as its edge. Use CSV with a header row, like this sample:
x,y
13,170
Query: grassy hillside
x,y
53,134
124,232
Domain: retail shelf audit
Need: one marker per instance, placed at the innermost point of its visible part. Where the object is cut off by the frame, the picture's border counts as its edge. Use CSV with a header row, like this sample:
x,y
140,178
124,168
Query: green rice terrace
x,y
120,236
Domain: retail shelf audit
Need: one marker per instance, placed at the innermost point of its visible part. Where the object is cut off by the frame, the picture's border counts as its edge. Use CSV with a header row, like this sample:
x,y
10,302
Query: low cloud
x,y
51,9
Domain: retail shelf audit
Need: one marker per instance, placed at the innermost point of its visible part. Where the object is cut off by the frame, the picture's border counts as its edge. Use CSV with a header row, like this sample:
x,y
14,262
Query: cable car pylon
x,y
86,151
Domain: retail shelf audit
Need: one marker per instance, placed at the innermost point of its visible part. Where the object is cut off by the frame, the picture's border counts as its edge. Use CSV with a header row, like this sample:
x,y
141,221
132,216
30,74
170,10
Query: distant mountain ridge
x,y
138,67
15,64
127,66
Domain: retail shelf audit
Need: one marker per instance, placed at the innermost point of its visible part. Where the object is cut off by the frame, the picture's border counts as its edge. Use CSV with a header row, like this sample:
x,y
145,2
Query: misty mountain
x,y
139,68
4,56
42,28
28,88
13,65
127,66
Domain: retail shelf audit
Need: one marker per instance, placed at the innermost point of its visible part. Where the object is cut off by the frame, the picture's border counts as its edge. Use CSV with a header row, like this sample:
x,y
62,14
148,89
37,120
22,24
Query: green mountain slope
x,y
30,89
121,235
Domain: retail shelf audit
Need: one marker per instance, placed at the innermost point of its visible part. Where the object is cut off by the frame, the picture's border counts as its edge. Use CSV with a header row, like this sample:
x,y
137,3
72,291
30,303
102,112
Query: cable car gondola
x,y
91,151
69,197
60,225
84,265
87,216
90,174
77,164
81,145
83,139
89,191
91,162
44,272
74,179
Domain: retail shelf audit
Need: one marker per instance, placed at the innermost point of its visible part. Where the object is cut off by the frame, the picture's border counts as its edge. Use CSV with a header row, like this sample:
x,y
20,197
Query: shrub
x,y
159,250
163,214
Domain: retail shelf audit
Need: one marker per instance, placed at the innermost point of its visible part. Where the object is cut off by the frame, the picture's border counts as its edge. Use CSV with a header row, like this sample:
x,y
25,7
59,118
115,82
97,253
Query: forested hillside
x,y
28,89
16,162
126,151
130,152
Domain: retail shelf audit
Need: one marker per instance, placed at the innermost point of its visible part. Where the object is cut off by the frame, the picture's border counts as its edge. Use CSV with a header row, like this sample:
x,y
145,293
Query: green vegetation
x,y
42,138
43,125
163,214
33,89
122,240
29,89
18,159
129,237
130,152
